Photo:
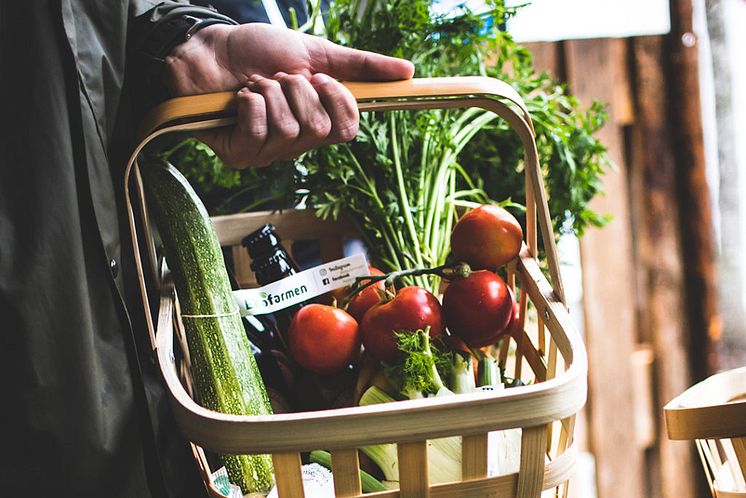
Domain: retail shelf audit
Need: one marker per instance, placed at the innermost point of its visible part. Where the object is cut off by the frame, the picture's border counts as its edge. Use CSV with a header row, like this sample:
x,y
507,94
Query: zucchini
x,y
225,373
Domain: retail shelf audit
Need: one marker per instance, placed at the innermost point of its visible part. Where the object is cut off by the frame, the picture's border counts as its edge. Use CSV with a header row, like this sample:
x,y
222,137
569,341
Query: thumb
x,y
356,65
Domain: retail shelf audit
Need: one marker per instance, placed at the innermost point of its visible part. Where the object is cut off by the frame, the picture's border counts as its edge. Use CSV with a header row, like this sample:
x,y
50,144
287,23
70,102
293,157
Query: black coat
x,y
82,410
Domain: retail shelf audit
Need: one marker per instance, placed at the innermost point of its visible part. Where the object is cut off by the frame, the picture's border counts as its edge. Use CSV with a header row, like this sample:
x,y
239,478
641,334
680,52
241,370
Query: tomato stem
x,y
449,272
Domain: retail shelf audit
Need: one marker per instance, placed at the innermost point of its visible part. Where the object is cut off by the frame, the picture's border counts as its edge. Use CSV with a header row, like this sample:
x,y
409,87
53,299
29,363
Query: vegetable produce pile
x,y
381,340
401,343
413,346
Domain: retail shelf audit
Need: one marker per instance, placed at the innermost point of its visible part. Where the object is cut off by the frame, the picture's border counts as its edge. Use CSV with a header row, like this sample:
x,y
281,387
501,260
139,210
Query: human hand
x,y
288,98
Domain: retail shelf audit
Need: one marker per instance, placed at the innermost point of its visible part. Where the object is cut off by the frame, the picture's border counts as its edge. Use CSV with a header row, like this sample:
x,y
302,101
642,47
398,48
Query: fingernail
x,y
244,91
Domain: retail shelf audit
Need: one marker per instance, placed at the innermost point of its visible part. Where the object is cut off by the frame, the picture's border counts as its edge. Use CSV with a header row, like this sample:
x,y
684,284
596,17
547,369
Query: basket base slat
x,y
556,473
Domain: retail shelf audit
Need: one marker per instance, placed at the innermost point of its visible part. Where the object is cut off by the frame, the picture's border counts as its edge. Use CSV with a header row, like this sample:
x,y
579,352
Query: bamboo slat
x,y
346,470
474,457
531,473
414,480
290,480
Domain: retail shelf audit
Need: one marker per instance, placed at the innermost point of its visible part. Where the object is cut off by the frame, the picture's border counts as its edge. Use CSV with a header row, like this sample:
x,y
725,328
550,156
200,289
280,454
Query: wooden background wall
x,y
648,277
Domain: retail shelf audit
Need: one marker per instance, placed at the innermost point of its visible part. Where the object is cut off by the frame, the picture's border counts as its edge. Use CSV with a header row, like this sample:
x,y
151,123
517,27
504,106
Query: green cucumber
x,y
225,374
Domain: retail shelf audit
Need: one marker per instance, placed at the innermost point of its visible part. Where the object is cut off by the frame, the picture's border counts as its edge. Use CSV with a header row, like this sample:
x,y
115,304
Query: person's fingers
x,y
284,117
356,65
340,106
314,120
283,127
241,146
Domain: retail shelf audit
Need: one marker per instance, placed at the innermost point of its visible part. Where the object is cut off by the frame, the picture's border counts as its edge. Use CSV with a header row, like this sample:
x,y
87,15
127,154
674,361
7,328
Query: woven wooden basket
x,y
713,414
548,351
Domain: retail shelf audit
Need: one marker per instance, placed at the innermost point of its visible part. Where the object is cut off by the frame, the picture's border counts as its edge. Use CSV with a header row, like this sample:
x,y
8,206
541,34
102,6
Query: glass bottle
x,y
270,262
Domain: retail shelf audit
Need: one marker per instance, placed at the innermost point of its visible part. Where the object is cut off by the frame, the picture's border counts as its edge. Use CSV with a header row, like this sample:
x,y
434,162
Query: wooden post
x,y
660,261
595,70
730,193
548,56
696,214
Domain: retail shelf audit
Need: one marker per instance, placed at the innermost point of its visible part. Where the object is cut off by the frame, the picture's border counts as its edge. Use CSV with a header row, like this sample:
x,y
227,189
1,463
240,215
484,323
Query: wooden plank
x,y
241,267
610,322
547,56
298,224
646,413
346,470
288,475
332,248
414,480
696,214
661,263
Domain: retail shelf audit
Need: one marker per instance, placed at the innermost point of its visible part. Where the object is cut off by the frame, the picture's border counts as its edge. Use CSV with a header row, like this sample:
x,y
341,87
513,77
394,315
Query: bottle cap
x,y
261,241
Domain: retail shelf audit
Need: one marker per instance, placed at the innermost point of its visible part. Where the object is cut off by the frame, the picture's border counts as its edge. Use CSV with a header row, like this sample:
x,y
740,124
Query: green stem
x,y
436,195
406,208
449,272
450,216
168,153
422,184
373,194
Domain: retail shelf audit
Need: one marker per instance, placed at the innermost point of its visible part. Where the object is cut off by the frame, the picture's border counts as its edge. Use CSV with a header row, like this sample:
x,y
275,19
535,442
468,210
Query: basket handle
x,y
200,112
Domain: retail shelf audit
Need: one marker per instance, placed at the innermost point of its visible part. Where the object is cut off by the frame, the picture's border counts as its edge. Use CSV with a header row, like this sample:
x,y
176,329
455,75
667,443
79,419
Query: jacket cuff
x,y
154,34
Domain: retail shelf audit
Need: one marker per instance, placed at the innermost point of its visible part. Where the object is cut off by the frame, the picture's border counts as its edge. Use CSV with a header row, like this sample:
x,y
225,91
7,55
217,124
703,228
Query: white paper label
x,y
301,286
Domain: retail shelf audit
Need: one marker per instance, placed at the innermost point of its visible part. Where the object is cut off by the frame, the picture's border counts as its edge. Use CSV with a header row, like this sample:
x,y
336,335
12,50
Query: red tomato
x,y
513,327
487,237
479,308
367,298
323,339
411,309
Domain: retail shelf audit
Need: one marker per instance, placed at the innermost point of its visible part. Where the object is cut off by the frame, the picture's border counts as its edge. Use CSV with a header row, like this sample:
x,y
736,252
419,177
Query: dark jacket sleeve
x,y
152,34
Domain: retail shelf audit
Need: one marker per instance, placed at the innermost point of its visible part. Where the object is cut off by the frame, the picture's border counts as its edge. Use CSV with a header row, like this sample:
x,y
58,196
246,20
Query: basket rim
x,y
707,410
403,421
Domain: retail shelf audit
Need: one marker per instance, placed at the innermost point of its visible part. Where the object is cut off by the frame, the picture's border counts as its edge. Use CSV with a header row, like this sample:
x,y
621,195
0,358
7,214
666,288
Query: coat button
x,y
114,268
